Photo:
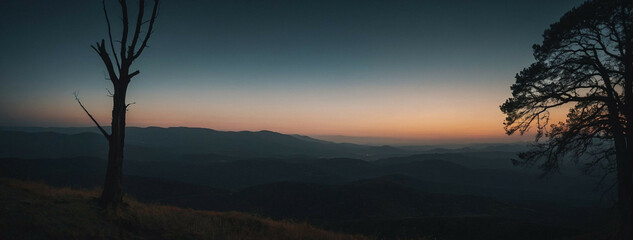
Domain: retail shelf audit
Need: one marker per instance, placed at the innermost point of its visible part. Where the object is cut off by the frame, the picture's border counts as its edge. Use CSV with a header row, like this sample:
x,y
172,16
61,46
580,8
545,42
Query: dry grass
x,y
36,211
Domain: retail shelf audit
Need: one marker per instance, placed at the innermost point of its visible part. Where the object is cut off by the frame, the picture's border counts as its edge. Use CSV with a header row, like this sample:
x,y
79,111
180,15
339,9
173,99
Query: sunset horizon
x,y
374,140
387,72
316,119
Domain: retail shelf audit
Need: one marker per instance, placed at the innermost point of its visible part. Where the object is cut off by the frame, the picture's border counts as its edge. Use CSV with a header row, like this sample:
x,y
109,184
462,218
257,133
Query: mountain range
x,y
376,190
154,143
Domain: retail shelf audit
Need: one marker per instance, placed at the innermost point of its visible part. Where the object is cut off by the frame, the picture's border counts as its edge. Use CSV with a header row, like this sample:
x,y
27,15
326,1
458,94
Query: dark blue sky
x,y
418,70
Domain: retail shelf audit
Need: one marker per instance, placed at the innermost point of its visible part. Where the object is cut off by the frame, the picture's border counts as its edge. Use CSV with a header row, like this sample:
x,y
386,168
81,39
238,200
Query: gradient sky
x,y
413,71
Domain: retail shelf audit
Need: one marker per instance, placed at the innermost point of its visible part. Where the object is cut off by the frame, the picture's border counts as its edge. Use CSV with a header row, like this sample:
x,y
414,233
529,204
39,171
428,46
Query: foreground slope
x,y
36,211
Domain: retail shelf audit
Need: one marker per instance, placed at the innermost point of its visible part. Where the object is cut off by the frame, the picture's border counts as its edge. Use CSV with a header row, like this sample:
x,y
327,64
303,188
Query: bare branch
x,y
105,134
105,11
134,74
137,31
128,105
149,30
124,59
105,57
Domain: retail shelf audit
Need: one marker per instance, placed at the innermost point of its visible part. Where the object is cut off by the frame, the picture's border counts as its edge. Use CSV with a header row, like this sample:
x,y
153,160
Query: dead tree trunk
x,y
120,77
112,190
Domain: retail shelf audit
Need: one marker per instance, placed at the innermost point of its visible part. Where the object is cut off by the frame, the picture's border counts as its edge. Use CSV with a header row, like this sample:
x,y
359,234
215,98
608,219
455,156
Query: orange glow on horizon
x,y
440,124
401,112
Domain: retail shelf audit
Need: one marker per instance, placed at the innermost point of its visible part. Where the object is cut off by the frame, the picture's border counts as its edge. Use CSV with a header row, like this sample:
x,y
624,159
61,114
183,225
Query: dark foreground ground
x,y
35,211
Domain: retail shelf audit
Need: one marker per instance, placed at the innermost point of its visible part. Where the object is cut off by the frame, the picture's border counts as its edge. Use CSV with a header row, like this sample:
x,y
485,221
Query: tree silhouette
x,y
120,76
585,62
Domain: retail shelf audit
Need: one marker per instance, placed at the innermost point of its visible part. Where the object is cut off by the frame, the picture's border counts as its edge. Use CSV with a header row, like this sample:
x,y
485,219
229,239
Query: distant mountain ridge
x,y
155,143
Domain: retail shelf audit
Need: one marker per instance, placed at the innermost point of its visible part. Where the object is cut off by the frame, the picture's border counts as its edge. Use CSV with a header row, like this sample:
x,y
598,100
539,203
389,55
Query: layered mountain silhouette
x,y
154,143
380,191
368,200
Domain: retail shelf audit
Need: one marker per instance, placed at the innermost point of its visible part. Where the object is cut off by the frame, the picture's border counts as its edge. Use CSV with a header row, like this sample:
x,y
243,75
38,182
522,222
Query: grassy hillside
x,y
36,211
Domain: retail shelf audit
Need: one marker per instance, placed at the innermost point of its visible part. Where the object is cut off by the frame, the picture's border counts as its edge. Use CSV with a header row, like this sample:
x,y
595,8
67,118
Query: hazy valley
x,y
388,192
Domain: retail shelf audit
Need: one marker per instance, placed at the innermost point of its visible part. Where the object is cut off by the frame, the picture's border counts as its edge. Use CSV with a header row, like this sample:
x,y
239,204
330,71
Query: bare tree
x,y
585,61
119,74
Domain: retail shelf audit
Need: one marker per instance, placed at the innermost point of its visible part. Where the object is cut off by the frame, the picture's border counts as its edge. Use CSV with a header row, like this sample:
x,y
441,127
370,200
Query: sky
x,y
425,71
